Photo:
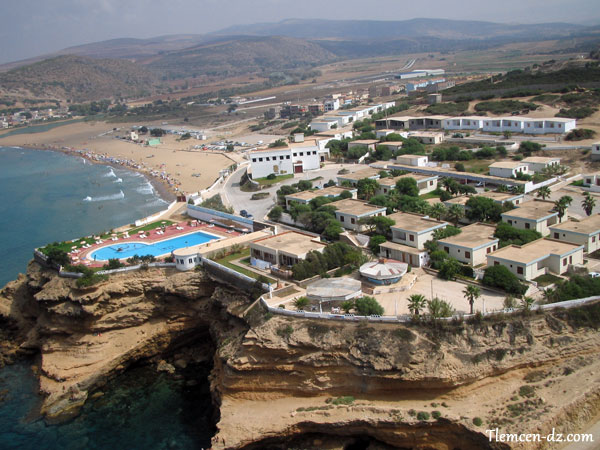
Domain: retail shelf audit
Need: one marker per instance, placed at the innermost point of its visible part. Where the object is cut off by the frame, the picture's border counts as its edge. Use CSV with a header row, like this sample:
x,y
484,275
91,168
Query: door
x,y
298,168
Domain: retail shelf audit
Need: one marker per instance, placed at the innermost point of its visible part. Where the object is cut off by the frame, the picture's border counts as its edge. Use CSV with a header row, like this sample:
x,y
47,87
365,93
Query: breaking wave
x,y
111,174
102,198
145,189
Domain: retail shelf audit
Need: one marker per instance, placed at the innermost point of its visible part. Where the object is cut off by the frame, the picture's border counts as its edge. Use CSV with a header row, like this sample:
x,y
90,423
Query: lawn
x,y
547,280
477,165
266,182
429,195
226,261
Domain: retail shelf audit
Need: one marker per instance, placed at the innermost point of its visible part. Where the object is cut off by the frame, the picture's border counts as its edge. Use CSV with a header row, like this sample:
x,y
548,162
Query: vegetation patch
x,y
580,134
266,181
259,196
346,400
505,106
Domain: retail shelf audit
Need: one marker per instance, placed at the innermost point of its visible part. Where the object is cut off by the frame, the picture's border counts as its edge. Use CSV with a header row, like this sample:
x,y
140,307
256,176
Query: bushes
x,y
423,415
215,202
275,213
509,235
334,255
368,306
580,134
505,106
56,255
375,242
112,264
577,287
502,278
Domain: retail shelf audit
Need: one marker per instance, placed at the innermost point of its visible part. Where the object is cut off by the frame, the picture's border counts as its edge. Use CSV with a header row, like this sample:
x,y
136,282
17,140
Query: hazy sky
x,y
33,27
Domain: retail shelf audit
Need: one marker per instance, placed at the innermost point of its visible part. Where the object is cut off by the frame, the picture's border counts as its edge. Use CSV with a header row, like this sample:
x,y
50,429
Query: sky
x,y
34,27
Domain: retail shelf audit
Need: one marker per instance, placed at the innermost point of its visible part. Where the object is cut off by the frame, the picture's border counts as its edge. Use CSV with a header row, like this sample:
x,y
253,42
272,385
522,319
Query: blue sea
x,y
46,197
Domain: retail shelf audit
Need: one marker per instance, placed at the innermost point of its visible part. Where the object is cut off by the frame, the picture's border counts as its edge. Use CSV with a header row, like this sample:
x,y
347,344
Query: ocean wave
x,y
146,189
110,174
102,198
118,180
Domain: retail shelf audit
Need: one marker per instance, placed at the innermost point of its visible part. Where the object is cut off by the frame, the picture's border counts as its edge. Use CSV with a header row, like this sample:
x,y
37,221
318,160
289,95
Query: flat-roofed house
x,y
295,158
285,249
349,212
472,244
592,181
392,145
425,183
508,169
463,123
393,123
305,197
426,123
413,160
498,197
369,143
427,137
409,235
383,133
354,178
535,215
539,163
537,258
585,232
414,229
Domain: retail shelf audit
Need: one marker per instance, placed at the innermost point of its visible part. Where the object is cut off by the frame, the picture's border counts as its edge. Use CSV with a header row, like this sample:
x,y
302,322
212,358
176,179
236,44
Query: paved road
x,y
259,208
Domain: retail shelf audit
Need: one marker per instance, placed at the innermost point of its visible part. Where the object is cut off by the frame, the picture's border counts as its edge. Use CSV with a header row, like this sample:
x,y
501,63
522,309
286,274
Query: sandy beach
x,y
173,166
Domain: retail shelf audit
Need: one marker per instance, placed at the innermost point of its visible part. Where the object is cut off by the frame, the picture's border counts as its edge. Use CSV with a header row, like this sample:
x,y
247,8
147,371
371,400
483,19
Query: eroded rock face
x,y
280,381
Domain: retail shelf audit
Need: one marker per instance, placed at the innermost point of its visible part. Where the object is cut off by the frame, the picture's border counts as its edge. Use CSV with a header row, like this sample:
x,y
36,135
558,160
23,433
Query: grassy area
x,y
429,195
226,261
546,280
277,179
477,166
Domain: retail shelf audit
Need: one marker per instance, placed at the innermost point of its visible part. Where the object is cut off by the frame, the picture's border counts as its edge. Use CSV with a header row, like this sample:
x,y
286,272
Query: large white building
x,y
508,169
296,158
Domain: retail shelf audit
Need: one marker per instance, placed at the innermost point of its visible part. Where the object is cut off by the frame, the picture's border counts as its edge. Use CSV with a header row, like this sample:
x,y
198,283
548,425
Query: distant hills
x,y
124,67
78,79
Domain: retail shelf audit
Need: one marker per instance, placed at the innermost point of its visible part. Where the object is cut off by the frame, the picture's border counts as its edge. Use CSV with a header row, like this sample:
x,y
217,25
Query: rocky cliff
x,y
280,382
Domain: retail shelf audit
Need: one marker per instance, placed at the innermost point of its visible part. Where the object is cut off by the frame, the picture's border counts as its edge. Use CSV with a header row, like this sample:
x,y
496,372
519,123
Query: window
x,y
266,158
287,156
565,262
341,218
467,254
190,260
520,270
527,226
446,249
253,159
509,222
593,238
314,152
352,220
556,235
301,154
496,263
295,154
281,157
570,259
411,237
489,249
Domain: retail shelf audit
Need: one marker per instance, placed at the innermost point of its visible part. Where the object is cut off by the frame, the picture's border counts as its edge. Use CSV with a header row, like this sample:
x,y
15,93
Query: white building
x,y
596,151
324,124
427,137
413,160
331,105
463,123
539,163
508,169
592,181
296,158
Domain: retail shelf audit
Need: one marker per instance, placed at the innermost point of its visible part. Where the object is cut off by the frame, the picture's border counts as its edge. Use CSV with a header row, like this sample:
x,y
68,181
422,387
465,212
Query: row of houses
x,y
341,117
513,124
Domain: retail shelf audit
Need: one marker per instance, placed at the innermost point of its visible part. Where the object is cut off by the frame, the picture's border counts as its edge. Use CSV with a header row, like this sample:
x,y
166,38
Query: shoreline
x,y
161,188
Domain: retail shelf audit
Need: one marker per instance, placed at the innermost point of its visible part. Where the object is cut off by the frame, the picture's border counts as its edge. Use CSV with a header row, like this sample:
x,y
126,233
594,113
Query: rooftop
x,y
383,269
393,143
531,252
411,156
291,242
334,289
507,164
365,141
355,207
499,197
426,133
588,225
328,191
414,222
539,159
534,210
360,174
402,248
392,181
472,236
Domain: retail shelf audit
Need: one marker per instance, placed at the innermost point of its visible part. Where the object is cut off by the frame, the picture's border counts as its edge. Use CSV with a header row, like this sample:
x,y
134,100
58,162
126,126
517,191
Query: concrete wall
x,y
474,258
266,163
591,243
207,214
414,260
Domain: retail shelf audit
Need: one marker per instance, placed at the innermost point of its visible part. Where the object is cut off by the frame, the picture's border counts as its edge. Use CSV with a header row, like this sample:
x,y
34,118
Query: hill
x,y
234,55
78,79
357,30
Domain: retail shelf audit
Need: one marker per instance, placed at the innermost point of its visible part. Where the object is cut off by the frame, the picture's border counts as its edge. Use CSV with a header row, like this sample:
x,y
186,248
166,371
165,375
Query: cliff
x,y
281,382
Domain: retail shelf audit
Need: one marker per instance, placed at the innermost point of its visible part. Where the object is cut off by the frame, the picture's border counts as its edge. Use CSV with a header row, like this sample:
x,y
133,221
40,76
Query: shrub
x,y
271,176
112,264
477,421
301,303
580,134
502,278
285,331
90,280
527,391
423,415
346,400
275,213
375,241
436,414
368,306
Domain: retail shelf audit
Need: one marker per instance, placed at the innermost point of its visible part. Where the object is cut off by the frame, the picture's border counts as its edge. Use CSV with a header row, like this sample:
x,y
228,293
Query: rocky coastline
x,y
278,382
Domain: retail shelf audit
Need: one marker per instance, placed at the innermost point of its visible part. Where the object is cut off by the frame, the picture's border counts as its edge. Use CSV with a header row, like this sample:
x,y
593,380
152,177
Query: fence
x,y
207,214
405,318
65,274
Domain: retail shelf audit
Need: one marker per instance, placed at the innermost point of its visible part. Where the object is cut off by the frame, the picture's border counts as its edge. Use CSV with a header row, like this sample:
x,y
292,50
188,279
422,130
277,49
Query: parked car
x,y
244,213
594,274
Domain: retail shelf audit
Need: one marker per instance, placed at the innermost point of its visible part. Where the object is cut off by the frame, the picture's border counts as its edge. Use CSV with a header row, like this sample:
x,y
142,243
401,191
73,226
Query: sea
x,y
49,196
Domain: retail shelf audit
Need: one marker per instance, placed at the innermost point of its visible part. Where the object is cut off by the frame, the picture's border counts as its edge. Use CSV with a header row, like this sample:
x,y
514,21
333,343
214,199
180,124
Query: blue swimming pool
x,y
122,250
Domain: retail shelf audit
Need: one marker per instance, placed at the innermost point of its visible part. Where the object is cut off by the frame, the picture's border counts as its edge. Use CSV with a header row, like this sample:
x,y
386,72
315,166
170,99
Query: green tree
x,y
472,293
544,192
347,306
527,303
375,241
438,210
439,308
56,255
455,213
483,209
588,203
501,277
301,303
333,230
407,186
416,303
367,188
561,205
451,185
368,306
449,268
275,213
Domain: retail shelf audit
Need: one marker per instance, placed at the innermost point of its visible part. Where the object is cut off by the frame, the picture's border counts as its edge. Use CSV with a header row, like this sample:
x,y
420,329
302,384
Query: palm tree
x,y
549,295
502,188
588,203
527,303
472,293
416,303
347,306
561,205
544,192
437,211
455,213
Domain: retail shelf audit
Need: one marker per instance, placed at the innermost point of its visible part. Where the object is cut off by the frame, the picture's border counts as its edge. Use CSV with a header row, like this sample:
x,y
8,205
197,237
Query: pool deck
x,y
171,231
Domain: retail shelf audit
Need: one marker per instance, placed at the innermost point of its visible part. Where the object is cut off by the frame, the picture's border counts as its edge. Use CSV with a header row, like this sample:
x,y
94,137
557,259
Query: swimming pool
x,y
128,249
